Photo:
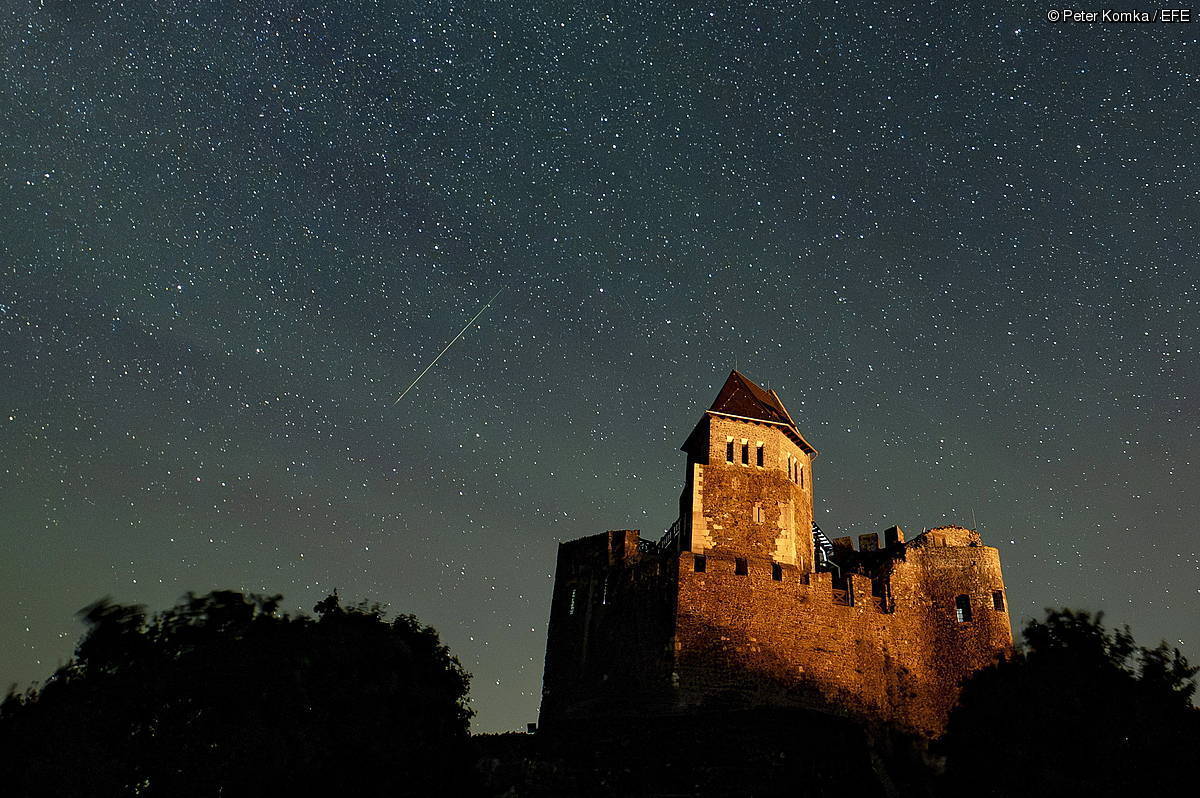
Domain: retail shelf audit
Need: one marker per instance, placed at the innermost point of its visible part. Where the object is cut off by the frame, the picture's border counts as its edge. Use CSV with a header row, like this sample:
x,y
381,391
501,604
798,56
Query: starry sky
x,y
960,241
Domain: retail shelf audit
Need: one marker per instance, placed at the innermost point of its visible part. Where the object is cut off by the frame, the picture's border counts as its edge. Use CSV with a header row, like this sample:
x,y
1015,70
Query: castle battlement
x,y
745,603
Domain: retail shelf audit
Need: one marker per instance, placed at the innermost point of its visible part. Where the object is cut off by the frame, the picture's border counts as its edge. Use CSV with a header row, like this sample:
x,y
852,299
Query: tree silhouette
x,y
1080,711
224,696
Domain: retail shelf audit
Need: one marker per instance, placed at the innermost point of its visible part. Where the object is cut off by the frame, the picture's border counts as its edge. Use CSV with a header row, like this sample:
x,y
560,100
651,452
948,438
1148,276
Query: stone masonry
x,y
740,605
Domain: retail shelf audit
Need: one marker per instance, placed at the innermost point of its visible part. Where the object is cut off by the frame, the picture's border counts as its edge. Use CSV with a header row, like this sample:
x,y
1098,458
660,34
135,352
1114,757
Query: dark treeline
x,y
1079,710
224,695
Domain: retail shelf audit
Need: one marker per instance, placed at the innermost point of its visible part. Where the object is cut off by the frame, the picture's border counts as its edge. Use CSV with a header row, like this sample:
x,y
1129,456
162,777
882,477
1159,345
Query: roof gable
x,y
740,397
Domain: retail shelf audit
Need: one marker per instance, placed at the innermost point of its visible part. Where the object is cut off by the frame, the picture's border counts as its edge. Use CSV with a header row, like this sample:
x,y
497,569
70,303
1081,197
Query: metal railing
x,y
671,538
669,542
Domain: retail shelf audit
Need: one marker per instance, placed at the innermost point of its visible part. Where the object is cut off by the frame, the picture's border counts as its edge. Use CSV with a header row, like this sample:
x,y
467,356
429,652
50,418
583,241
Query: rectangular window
x,y
760,455
745,453
789,468
729,451
739,566
571,603
800,475
998,600
604,592
699,564
962,608
777,572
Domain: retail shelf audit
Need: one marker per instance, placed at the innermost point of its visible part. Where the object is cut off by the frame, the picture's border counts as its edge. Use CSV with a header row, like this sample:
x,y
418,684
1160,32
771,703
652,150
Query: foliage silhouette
x,y
223,695
1081,710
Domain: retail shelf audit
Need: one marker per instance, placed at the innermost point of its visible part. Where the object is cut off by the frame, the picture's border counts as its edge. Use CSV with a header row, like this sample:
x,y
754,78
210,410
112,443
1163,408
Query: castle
x,y
745,603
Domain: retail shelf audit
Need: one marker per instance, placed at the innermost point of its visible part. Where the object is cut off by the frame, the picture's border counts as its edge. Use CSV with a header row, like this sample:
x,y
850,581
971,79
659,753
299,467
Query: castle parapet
x,y
947,536
734,608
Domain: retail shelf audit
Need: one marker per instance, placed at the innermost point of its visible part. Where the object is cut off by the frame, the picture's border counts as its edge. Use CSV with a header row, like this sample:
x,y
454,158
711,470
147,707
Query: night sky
x,y
960,242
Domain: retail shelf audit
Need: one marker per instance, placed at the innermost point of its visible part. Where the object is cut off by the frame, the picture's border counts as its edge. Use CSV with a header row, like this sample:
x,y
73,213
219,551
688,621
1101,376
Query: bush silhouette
x,y
223,695
1081,710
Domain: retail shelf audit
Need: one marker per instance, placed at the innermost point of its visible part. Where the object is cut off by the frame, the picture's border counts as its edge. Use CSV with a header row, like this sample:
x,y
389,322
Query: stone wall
x,y
743,509
736,614
633,632
608,646
750,640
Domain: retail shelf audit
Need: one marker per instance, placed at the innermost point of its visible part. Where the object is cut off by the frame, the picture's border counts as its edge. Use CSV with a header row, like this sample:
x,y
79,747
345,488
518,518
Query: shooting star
x,y
452,340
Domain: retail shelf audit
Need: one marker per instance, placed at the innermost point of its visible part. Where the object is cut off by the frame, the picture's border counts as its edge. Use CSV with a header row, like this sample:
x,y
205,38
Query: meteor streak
x,y
452,340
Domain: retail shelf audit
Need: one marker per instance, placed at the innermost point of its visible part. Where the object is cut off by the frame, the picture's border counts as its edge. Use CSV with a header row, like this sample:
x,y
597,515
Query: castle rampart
x,y
740,607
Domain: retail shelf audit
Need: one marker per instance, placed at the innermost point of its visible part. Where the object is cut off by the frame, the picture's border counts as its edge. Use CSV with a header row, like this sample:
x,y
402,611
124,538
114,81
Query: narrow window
x,y
760,455
758,513
998,600
739,566
800,474
962,608
604,592
777,572
729,451
571,603
699,564
789,468
745,453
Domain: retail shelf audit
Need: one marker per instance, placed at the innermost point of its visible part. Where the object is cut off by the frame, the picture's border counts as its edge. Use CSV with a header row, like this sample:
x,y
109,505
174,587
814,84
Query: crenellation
x,y
893,536
739,612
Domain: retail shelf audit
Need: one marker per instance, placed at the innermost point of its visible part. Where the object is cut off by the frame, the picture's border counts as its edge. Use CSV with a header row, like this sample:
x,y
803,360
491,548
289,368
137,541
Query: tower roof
x,y
741,398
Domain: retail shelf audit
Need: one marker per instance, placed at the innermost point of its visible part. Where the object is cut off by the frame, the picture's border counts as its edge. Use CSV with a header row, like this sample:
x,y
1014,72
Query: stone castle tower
x,y
744,603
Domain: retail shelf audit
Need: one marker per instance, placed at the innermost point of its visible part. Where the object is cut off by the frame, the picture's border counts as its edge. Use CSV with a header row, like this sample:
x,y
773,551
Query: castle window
x,y
758,513
729,450
571,603
962,608
998,600
739,566
604,592
760,455
745,452
800,475
789,467
699,564
777,572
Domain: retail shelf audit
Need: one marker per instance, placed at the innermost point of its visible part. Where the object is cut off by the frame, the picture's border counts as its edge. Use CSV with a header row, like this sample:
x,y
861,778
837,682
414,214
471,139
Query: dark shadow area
x,y
758,753
744,725
1078,710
